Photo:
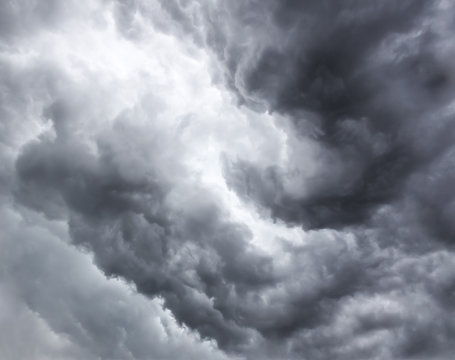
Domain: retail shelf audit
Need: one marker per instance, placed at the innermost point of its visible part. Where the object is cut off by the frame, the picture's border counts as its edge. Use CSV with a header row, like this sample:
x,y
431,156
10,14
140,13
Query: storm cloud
x,y
359,80
227,180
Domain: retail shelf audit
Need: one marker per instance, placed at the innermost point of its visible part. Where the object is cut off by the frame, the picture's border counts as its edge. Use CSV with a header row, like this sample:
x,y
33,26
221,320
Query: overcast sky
x,y
227,179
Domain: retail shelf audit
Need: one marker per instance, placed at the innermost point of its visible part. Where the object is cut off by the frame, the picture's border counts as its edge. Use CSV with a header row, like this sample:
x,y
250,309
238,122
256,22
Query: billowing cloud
x,y
223,180
359,83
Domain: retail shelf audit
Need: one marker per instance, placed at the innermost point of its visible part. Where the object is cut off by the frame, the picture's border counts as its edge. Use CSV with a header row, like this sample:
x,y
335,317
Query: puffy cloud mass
x,y
227,179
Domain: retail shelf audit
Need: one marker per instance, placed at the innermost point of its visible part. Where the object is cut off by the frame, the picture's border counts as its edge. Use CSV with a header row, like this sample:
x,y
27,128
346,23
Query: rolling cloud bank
x,y
207,179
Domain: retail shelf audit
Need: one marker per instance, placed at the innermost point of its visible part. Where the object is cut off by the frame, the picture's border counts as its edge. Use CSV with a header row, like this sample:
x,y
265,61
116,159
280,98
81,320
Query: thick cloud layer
x,y
254,180
361,80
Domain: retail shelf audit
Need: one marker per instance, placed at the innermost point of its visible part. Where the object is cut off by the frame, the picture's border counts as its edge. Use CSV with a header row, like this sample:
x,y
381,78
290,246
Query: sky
x,y
227,180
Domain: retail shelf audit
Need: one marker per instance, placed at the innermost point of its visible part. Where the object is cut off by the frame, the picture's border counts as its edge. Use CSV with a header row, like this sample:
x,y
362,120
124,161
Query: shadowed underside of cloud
x,y
117,141
366,82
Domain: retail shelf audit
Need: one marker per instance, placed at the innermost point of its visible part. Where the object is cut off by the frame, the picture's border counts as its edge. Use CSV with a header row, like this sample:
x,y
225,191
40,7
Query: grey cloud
x,y
20,18
356,78
371,86
82,314
118,207
358,86
120,213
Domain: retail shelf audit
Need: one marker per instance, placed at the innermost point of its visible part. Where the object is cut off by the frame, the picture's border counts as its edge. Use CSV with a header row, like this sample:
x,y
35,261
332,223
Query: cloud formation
x,y
227,180
358,81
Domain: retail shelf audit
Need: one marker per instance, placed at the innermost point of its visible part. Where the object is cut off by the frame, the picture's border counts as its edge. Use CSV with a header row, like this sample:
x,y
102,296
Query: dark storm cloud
x,y
365,88
64,308
182,250
54,300
120,213
207,274
369,85
356,77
